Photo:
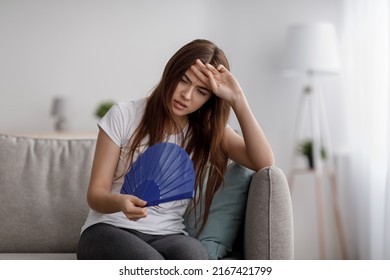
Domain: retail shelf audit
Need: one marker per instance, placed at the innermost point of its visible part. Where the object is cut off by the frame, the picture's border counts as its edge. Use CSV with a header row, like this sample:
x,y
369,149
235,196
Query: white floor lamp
x,y
311,51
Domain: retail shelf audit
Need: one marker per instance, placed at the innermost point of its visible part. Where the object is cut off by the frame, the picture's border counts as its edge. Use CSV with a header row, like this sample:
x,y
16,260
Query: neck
x,y
177,126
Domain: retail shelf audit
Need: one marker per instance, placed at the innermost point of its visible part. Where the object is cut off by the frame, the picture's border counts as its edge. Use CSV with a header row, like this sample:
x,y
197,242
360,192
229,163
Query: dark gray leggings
x,y
107,242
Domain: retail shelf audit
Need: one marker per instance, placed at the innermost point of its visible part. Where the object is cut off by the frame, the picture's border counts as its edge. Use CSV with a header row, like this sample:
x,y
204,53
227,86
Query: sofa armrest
x,y
269,221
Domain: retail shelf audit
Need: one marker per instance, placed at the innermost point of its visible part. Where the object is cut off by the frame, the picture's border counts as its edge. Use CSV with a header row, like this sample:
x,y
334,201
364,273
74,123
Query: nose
x,y
187,93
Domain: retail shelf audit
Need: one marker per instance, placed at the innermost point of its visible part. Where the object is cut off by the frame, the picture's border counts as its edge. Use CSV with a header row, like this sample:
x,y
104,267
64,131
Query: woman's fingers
x,y
137,201
213,70
201,65
133,207
221,68
201,72
206,73
136,213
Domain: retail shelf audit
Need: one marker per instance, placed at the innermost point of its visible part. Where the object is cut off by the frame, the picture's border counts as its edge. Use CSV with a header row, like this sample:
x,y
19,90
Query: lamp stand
x,y
311,103
60,124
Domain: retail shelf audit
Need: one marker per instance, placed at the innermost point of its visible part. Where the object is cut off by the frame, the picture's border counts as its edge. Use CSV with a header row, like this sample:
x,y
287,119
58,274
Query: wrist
x,y
105,202
119,201
239,101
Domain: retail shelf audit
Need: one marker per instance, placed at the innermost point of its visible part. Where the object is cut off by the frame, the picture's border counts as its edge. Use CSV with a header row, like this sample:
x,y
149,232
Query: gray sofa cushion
x,y
226,213
39,172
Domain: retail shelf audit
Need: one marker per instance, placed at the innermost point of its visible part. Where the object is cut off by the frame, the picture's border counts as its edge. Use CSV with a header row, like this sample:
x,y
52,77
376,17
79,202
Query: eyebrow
x,y
187,78
203,88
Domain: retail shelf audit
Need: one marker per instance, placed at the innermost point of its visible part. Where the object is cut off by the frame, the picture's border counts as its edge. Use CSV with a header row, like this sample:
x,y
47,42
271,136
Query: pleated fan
x,y
163,172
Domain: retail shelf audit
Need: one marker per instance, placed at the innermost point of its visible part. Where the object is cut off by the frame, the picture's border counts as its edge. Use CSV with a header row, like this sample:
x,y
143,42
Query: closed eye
x,y
204,91
185,79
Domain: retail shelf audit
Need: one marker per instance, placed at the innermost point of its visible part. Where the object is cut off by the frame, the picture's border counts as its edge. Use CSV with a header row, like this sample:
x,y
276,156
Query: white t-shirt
x,y
119,124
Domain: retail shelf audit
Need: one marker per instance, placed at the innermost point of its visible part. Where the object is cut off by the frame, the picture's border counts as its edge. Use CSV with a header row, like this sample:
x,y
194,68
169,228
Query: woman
x,y
190,106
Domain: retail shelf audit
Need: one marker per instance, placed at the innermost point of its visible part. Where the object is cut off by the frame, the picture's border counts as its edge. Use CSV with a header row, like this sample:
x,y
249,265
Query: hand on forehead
x,y
196,76
206,73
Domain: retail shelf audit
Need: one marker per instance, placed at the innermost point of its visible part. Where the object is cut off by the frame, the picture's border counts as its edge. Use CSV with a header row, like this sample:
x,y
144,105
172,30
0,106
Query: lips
x,y
180,105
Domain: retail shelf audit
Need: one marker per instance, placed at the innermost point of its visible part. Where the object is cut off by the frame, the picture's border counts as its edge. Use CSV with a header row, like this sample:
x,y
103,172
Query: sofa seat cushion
x,y
38,256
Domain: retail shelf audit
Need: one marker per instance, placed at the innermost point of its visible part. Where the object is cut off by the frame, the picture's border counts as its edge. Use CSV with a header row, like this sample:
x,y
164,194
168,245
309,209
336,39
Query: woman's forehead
x,y
193,78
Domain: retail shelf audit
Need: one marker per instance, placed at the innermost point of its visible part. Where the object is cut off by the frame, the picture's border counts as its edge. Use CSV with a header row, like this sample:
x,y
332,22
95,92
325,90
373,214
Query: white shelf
x,y
56,135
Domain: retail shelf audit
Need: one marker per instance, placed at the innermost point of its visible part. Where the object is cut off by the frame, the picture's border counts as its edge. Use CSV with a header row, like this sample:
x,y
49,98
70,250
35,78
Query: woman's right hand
x,y
99,193
133,207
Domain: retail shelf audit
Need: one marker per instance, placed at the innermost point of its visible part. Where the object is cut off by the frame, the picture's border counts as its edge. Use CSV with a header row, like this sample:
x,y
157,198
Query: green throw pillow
x,y
226,213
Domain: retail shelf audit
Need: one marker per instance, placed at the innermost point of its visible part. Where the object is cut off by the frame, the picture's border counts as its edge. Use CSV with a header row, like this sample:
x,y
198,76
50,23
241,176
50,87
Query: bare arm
x,y
99,194
253,149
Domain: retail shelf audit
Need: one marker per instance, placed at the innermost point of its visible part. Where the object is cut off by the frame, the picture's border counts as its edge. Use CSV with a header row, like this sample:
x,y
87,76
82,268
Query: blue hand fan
x,y
163,172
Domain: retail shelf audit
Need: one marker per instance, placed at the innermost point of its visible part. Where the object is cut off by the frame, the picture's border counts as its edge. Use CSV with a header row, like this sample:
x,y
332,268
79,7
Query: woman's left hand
x,y
222,83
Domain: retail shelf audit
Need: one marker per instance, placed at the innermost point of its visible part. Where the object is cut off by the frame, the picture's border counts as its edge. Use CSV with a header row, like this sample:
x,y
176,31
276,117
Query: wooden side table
x,y
319,176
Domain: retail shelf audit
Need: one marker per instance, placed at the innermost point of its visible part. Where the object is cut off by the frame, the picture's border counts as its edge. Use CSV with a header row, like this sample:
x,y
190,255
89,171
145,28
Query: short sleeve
x,y
113,124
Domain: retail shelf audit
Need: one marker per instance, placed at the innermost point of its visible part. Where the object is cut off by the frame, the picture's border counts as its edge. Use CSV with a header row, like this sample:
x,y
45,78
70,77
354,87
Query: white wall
x,y
94,50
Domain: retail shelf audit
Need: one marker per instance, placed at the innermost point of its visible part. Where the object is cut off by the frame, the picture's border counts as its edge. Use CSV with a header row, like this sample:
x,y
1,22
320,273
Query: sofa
x,y
43,184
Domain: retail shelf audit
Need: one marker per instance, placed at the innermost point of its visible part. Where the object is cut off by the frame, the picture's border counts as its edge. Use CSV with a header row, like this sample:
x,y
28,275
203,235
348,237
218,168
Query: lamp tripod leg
x,y
298,129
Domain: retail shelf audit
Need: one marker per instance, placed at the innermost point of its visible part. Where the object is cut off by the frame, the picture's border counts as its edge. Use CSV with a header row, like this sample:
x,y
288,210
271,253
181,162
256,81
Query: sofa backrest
x,y
43,184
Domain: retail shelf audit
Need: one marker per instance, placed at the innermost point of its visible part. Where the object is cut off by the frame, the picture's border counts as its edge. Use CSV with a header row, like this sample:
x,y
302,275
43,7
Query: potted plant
x,y
103,108
306,149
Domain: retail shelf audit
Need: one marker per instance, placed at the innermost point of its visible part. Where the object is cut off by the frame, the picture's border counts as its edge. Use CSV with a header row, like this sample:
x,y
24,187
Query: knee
x,y
194,250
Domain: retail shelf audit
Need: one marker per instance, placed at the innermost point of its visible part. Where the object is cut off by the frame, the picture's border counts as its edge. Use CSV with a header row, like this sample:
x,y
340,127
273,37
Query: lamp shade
x,y
311,48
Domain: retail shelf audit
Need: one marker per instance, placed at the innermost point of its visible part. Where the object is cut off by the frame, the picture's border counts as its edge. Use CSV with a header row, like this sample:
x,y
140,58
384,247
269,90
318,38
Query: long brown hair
x,y
206,126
